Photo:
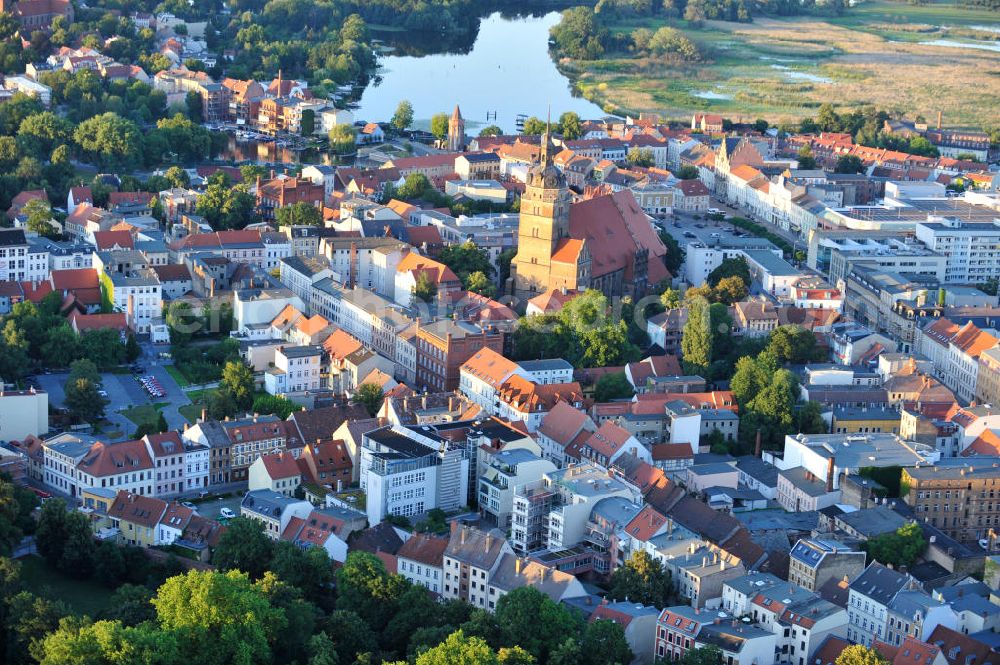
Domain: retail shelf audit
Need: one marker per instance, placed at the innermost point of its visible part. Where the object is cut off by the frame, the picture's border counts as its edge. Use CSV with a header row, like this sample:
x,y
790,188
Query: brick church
x,y
605,242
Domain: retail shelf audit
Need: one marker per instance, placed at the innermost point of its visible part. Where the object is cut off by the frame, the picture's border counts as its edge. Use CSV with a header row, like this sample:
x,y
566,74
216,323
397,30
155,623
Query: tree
x,y
459,650
299,214
364,587
671,298
178,177
701,339
84,401
424,290
491,130
244,546
534,621
370,396
613,386
857,654
674,258
478,282
687,172
534,127
710,655
79,641
274,404
604,643
730,290
131,604
642,579
403,117
193,102
809,419
109,141
640,157
807,160
42,133
237,380
225,207
898,548
793,344
466,259
354,636
39,218
578,34
439,125
737,267
343,139
570,126
219,617
849,164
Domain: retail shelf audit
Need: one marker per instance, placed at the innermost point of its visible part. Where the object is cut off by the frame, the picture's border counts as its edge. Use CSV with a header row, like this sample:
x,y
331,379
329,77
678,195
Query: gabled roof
x,y
564,422
141,510
424,548
608,440
490,367
281,465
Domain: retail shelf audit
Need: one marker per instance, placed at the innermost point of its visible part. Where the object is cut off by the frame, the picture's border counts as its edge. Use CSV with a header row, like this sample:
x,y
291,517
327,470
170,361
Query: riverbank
x,y
915,59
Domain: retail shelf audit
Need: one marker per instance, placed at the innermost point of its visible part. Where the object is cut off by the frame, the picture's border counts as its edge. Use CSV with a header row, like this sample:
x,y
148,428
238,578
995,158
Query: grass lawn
x,y
82,596
144,414
178,377
199,398
891,55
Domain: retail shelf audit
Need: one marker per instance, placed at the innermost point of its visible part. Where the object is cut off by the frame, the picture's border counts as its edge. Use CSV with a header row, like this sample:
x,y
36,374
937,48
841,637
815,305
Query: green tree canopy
x,y
403,117
642,579
898,548
299,214
371,396
613,386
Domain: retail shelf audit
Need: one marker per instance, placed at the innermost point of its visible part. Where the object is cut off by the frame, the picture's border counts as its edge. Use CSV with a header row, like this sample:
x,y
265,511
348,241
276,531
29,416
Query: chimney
x,y
462,536
489,542
517,566
756,450
939,120
829,475
204,415
454,527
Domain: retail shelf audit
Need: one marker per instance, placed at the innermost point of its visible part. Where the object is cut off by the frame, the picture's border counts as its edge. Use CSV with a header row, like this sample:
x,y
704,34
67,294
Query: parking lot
x,y
124,391
210,508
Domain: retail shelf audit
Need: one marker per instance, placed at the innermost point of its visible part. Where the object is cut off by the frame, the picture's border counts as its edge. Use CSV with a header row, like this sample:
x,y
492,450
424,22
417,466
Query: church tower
x,y
543,224
456,131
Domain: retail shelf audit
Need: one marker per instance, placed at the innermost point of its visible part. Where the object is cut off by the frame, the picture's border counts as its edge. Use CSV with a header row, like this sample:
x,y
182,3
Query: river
x,y
507,72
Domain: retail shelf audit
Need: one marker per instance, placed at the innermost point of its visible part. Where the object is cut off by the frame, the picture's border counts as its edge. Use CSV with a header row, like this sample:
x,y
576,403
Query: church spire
x,y
545,156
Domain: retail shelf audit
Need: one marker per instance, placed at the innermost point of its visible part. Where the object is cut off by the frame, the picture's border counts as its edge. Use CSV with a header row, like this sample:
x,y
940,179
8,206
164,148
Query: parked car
x,y
227,513
188,504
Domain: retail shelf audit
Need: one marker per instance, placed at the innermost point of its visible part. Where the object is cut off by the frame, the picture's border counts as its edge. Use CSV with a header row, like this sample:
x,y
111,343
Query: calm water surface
x,y
507,72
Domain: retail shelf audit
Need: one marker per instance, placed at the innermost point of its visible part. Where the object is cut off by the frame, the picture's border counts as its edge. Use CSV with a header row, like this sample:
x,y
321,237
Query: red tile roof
x,y
282,465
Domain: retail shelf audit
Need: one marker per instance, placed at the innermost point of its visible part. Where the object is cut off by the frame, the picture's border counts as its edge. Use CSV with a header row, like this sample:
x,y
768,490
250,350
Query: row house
x,y
251,438
954,351
518,398
378,323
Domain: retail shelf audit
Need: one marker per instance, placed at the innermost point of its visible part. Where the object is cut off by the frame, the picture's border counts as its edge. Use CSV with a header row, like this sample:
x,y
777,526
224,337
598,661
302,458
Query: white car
x,y
226,513
714,211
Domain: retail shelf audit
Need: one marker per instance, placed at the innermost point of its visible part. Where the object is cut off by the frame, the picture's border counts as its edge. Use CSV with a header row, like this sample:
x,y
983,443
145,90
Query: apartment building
x,y
554,512
406,471
481,376
954,351
421,561
682,628
813,562
470,560
274,510
869,597
251,438
505,472
444,346
20,261
957,496
970,248
296,370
